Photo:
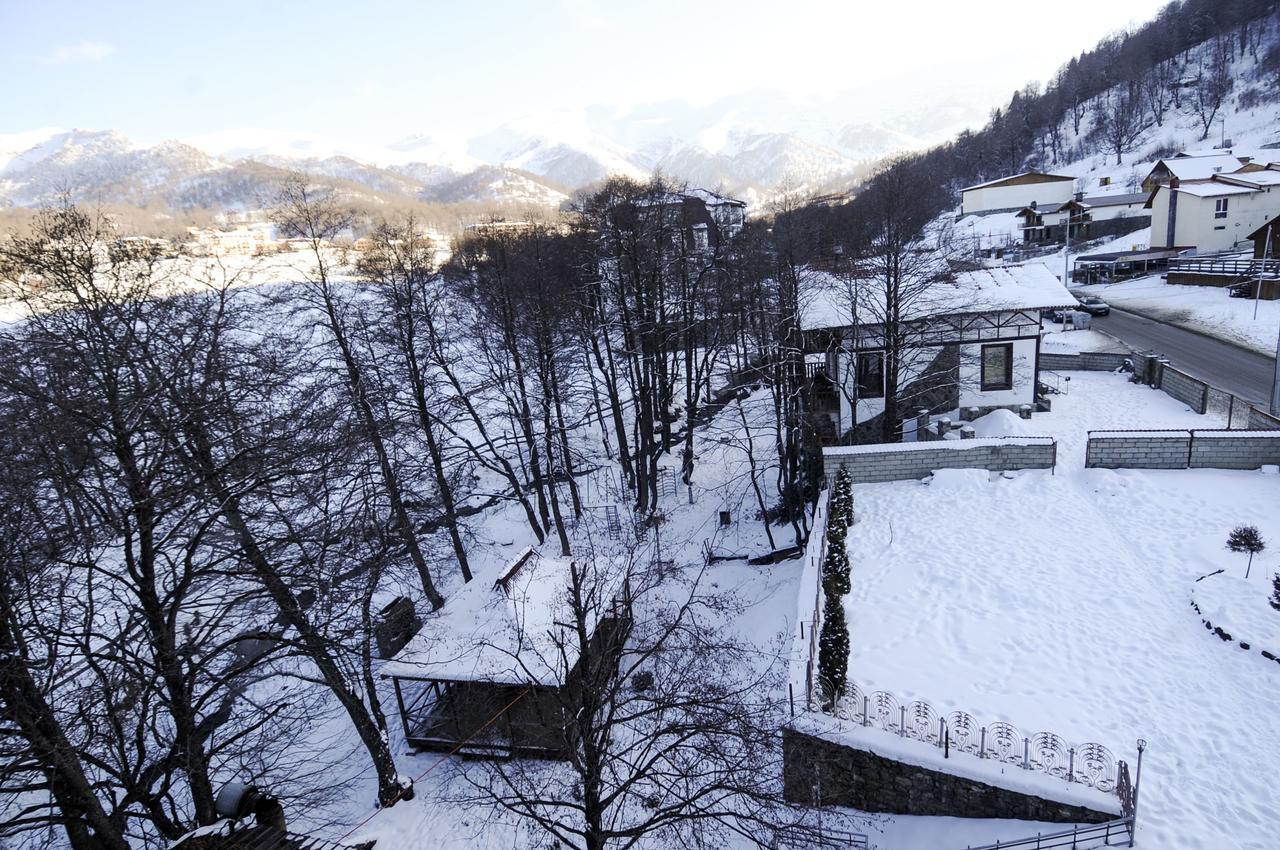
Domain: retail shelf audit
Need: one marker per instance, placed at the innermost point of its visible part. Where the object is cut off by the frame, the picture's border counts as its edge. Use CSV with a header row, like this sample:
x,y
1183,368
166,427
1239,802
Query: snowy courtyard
x,y
1061,602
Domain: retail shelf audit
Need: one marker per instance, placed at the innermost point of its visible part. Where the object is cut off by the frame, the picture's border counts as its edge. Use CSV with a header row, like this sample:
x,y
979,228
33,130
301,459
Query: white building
x,y
1009,194
1216,214
975,342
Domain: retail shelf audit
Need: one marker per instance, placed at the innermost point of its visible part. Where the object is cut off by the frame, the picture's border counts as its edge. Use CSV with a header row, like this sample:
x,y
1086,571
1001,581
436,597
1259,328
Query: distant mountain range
x,y
734,145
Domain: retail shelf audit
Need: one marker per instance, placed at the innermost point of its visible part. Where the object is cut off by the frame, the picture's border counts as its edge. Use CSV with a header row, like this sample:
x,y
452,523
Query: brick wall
x,y
902,461
846,776
1186,389
1088,361
1182,449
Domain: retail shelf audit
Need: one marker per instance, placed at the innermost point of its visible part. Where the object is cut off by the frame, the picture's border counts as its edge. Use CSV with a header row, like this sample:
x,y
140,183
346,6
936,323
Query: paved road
x,y
1229,367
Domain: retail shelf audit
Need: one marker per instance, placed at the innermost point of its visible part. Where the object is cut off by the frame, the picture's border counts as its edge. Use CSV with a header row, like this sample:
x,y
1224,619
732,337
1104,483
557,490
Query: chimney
x,y
1174,182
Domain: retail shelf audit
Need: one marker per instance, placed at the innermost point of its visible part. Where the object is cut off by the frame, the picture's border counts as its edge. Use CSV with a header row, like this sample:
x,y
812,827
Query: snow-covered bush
x,y
842,499
833,649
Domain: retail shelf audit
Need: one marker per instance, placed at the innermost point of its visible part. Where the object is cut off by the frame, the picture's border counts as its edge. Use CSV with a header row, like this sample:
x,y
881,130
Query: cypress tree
x,y
833,650
835,572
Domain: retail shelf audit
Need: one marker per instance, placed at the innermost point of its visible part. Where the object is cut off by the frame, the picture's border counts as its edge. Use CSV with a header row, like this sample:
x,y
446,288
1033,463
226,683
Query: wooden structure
x,y
492,674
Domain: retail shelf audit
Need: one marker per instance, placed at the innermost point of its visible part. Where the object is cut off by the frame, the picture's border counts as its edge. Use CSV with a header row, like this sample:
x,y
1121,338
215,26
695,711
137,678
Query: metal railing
x,y
1087,764
1077,838
1236,268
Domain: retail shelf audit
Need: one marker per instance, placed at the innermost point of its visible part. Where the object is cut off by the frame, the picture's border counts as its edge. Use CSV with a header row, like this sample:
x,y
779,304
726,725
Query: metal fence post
x,y
1071,765
1026,753
902,721
982,747
1137,784
864,710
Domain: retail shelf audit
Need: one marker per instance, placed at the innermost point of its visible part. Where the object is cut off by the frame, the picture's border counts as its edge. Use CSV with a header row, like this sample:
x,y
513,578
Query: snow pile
x,y
1240,607
955,482
1002,423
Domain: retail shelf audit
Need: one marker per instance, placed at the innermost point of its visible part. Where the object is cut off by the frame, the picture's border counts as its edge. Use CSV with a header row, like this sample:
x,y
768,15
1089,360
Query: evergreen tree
x,y
833,650
841,510
1245,538
1275,591
835,572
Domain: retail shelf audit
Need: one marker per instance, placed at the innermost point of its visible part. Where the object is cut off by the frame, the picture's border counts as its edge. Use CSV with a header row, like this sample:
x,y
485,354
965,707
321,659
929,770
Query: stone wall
x,y
902,461
1086,361
1186,389
1218,449
846,776
1138,450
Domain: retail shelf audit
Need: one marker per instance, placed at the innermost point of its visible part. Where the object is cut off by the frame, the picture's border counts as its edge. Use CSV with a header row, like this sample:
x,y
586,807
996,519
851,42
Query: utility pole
x,y
1275,382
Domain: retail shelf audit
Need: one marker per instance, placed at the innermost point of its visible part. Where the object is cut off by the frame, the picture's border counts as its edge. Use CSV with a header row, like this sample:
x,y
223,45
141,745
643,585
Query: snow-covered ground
x,y
1061,602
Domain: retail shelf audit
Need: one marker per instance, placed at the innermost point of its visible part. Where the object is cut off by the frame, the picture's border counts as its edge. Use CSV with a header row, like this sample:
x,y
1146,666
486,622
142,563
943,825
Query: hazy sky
x,y
382,70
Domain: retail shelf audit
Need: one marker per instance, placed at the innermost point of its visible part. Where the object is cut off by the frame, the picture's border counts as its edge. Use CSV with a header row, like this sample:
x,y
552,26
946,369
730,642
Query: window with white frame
x,y
1220,208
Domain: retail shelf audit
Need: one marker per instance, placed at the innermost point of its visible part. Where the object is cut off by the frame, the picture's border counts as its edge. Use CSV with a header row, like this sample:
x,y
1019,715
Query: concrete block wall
x,y
1183,449
1186,389
1235,449
904,461
1088,361
1135,450
1260,420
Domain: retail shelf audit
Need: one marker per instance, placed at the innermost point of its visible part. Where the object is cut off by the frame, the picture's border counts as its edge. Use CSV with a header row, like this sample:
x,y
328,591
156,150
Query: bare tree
x,y
1119,119
307,212
1212,83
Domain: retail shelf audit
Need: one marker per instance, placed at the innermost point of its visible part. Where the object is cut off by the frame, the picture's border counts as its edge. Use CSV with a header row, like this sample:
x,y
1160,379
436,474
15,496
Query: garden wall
x,y
1216,449
859,778
1086,361
1186,389
901,461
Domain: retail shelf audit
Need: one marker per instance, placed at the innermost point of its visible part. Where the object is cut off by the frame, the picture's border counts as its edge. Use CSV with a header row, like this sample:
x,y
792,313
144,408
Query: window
x,y
1104,181
871,374
700,237
997,367
1220,208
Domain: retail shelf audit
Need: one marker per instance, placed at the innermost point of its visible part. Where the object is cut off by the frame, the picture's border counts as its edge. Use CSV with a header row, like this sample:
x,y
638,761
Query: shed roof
x,y
1115,200
516,636
828,299
1024,177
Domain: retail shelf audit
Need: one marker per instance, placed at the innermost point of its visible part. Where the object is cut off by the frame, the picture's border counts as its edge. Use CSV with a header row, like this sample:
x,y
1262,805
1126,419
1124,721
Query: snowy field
x,y
1061,602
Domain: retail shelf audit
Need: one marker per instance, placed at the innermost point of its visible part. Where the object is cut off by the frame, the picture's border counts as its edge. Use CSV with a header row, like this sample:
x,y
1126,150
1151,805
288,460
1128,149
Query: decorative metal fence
x,y
1088,764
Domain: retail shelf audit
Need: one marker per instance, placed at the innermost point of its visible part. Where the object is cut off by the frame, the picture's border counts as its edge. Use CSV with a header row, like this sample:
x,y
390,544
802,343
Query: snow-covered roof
x,y
1041,176
521,635
1258,179
1214,189
1200,167
1032,286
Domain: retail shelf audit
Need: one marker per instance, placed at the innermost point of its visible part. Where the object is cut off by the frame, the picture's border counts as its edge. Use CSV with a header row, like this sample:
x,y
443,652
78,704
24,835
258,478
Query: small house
x,y
1217,214
973,340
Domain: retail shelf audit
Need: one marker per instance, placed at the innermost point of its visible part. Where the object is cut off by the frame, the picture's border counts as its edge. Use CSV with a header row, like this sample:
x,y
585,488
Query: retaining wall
x,y
1085,361
1217,449
846,776
901,461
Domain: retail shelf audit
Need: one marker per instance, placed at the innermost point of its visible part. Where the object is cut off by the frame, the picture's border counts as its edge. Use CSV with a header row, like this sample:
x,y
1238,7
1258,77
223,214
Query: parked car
x,y
1057,314
1094,306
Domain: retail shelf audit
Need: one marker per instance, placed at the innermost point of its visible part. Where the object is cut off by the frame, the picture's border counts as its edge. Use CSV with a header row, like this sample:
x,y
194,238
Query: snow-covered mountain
x,y
751,145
